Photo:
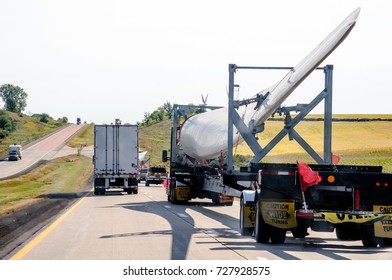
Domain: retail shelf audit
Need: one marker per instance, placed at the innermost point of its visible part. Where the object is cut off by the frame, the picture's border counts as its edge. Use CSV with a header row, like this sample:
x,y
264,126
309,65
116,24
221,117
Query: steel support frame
x,y
249,136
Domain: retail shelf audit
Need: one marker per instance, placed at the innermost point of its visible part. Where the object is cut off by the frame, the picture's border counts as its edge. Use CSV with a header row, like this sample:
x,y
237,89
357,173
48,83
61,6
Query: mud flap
x,y
279,214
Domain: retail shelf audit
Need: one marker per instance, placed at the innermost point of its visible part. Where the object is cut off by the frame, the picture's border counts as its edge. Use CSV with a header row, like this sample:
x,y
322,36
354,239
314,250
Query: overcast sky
x,y
106,59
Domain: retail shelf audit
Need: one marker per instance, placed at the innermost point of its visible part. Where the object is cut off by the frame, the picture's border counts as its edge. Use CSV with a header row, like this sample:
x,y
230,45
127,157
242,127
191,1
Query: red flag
x,y
335,159
307,177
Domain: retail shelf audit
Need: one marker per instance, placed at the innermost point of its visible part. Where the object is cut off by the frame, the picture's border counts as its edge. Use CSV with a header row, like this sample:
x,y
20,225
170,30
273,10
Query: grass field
x,y
28,130
367,142
85,137
62,175
356,142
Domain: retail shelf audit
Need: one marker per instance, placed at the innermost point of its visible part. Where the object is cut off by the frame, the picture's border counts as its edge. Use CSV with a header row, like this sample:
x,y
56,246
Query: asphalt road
x,y
118,226
44,149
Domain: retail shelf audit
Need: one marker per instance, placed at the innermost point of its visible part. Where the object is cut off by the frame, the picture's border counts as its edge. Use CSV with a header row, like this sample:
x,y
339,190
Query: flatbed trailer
x,y
354,201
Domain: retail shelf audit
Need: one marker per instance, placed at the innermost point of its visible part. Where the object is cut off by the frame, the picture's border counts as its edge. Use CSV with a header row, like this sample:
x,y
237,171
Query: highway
x,y
45,149
118,226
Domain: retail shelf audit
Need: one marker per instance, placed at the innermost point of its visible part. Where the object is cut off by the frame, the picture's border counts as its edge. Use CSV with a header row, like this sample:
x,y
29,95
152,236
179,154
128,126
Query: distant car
x,y
143,174
155,175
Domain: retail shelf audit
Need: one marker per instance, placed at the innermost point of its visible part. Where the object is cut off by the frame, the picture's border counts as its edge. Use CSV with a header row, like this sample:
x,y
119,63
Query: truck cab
x,y
14,152
155,175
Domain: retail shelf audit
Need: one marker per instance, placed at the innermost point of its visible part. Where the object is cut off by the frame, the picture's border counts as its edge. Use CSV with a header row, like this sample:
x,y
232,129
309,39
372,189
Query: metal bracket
x,y
248,132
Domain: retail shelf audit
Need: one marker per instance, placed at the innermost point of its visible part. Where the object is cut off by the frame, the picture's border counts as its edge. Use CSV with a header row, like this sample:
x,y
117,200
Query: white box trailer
x,y
116,158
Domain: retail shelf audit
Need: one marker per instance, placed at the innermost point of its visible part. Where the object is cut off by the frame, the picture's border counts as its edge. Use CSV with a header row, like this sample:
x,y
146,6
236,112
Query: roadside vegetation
x,y
61,176
22,129
84,138
66,175
356,139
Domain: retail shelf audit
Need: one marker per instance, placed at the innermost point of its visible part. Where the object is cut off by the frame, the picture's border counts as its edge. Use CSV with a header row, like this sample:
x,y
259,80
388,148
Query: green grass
x,y
62,175
85,137
154,139
28,129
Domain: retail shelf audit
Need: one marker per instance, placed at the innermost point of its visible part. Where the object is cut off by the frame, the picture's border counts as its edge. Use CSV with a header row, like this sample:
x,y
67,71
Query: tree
x,y
44,118
14,98
168,107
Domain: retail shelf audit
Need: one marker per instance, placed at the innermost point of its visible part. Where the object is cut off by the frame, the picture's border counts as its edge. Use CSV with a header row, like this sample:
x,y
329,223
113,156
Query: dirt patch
x,y
18,227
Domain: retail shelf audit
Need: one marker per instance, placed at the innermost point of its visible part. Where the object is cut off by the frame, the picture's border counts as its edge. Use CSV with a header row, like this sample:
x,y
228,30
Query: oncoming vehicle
x,y
155,175
14,152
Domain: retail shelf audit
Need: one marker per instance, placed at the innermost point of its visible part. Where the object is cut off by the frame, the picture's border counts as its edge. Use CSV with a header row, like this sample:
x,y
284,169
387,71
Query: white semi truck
x,y
116,158
14,152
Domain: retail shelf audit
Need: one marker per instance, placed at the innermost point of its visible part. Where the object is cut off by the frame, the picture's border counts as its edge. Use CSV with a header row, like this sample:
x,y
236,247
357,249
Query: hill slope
x,y
27,130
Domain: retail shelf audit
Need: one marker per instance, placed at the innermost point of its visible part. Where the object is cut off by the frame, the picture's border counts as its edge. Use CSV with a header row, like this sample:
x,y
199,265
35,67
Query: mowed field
x,y
356,141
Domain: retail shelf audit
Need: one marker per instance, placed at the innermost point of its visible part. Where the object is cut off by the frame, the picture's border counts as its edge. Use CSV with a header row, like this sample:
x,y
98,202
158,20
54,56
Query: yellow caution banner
x,y
279,214
338,218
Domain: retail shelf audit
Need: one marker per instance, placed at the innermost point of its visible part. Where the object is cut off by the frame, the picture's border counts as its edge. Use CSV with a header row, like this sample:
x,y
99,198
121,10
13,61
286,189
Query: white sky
x,y
107,59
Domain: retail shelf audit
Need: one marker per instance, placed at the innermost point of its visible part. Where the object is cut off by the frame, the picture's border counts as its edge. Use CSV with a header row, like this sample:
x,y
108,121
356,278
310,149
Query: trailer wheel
x,y
300,232
278,235
172,198
368,237
262,230
245,231
347,232
388,242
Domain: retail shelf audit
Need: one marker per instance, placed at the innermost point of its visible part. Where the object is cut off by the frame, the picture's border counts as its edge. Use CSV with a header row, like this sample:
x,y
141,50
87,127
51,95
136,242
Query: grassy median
x,y
65,175
68,174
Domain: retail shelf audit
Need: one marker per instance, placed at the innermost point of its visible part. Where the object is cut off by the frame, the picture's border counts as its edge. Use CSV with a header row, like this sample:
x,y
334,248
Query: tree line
x,y
15,100
163,112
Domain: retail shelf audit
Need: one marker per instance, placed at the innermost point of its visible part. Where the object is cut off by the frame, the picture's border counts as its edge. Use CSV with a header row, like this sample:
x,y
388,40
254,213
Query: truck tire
x,y
262,230
146,183
172,198
135,191
347,232
278,235
369,239
99,191
245,231
300,232
387,242
215,199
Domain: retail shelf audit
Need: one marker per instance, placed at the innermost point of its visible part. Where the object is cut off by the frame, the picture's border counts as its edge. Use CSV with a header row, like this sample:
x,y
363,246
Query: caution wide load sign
x,y
383,228
279,214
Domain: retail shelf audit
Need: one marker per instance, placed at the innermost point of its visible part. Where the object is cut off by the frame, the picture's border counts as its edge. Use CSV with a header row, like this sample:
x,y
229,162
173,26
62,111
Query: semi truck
x,y
354,201
116,153
14,152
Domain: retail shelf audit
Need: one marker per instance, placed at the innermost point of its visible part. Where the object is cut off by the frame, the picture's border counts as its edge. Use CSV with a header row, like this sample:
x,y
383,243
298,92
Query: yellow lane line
x,y
26,249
